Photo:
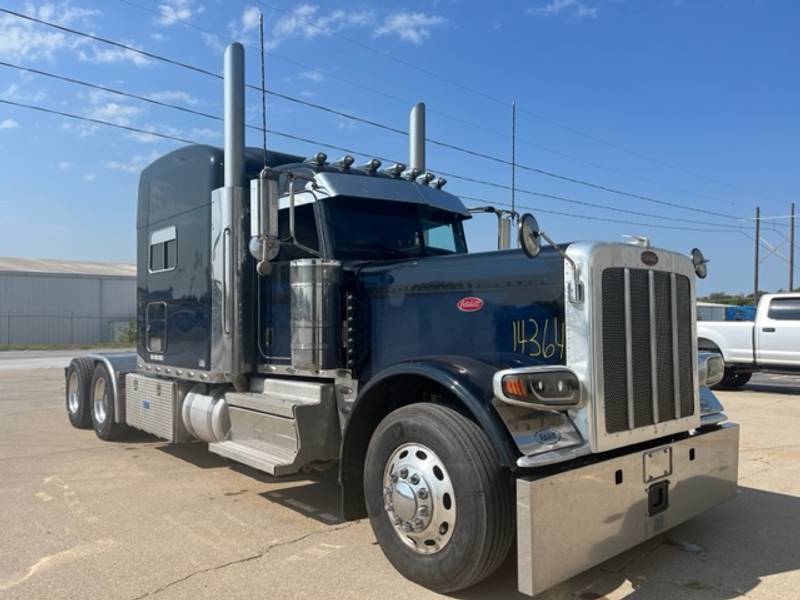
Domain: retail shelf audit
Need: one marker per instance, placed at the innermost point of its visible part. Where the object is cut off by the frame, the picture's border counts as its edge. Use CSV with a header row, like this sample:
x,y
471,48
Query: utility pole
x,y
791,250
758,240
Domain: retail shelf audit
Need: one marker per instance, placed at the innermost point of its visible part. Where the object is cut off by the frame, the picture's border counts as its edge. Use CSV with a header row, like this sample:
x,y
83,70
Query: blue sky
x,y
688,103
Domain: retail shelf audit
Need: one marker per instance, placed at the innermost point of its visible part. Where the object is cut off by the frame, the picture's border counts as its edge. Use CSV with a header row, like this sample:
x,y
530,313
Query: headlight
x,y
545,387
710,368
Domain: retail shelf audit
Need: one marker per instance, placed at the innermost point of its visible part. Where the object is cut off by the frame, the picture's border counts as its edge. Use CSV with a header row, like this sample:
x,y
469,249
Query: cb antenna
x,y
263,92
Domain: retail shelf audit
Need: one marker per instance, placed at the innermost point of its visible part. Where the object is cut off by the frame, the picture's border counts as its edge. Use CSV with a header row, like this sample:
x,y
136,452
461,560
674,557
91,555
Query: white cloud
x,y
157,37
574,7
15,91
21,39
90,177
206,132
8,124
121,114
147,138
64,165
410,27
314,76
134,164
111,55
175,11
304,22
174,96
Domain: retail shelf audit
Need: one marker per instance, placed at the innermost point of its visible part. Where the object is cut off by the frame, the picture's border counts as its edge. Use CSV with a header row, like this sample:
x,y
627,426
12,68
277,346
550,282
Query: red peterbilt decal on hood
x,y
470,304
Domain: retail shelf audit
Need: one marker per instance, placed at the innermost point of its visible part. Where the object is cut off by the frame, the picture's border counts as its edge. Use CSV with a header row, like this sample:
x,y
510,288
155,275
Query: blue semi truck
x,y
296,313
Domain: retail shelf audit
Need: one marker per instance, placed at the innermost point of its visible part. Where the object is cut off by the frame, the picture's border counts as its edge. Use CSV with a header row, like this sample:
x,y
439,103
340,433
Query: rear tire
x,y
76,393
733,379
416,453
102,405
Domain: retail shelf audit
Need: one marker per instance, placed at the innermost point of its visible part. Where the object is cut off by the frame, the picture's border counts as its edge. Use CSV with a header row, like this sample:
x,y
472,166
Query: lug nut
x,y
422,511
403,473
407,526
423,493
414,479
393,477
418,523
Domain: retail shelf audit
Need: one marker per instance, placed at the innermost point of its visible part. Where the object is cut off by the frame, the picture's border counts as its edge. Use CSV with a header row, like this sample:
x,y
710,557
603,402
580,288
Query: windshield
x,y
365,228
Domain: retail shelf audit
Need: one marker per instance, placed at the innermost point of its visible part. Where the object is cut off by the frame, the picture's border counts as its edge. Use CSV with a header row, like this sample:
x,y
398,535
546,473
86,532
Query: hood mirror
x,y
530,239
700,263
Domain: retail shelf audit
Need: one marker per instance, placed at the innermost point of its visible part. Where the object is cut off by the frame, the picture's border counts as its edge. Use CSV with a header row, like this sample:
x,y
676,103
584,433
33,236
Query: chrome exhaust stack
x,y
416,139
230,316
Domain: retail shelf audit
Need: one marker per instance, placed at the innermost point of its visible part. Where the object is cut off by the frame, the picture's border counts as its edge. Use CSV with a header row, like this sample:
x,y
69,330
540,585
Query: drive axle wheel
x,y
439,503
102,405
79,376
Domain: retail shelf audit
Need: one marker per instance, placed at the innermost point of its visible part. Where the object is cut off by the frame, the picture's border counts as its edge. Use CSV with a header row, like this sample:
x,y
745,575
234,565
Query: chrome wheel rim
x,y
72,393
418,498
99,400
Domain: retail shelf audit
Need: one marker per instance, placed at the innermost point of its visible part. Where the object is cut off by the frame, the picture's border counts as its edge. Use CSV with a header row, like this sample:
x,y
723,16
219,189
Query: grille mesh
x,y
618,405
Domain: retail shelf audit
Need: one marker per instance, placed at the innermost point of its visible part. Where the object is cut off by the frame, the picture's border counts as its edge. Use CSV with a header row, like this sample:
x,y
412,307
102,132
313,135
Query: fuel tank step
x,y
281,426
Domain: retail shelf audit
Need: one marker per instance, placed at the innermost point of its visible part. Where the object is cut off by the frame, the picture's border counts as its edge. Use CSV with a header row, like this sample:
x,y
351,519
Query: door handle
x,y
768,329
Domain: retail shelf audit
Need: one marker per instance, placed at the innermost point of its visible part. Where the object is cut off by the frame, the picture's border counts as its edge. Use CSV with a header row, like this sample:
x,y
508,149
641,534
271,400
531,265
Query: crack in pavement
x,y
245,559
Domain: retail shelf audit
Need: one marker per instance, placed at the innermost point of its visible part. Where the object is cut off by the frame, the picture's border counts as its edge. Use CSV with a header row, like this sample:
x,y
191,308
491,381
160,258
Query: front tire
x,y
102,405
733,379
439,503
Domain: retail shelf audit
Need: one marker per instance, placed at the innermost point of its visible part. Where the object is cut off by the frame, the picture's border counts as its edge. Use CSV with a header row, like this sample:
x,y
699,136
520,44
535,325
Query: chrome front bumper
x,y
574,520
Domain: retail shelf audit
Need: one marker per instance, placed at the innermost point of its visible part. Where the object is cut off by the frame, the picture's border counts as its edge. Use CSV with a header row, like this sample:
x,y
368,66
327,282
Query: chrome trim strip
x,y
629,348
676,373
554,456
651,280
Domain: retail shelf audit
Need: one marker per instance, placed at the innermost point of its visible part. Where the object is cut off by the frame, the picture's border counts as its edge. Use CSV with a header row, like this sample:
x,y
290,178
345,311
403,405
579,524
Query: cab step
x,y
281,426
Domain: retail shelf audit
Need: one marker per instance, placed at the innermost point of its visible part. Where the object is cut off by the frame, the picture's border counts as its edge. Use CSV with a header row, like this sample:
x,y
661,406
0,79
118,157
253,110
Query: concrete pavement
x,y
139,519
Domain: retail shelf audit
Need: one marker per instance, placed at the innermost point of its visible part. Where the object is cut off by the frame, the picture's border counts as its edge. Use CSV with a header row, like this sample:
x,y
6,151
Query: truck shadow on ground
x,y
721,555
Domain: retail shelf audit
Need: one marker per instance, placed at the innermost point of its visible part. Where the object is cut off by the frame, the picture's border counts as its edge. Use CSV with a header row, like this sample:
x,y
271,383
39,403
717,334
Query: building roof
x,y
65,267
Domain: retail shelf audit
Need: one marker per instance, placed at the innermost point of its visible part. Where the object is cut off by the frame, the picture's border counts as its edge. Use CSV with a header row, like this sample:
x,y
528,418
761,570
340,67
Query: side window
x,y
305,230
784,309
441,237
156,336
163,249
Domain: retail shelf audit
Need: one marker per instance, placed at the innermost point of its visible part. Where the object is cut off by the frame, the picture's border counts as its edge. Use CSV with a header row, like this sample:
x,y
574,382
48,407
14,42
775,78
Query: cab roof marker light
x,y
371,166
395,170
412,174
439,183
317,160
345,162
426,178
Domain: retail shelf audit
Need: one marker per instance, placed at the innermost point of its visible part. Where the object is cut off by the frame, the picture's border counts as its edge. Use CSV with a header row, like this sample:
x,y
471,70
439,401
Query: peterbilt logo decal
x,y
470,304
649,258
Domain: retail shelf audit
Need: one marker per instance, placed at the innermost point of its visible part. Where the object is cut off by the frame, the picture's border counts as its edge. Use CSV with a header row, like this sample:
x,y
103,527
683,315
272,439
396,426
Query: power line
x,y
407,101
263,131
496,100
372,122
593,218
322,144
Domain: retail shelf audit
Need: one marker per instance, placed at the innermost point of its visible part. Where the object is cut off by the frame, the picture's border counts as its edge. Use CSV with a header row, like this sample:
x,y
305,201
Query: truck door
x,y
778,332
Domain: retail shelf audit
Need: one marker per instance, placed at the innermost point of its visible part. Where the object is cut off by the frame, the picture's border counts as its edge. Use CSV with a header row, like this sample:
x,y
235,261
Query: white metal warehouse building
x,y
45,301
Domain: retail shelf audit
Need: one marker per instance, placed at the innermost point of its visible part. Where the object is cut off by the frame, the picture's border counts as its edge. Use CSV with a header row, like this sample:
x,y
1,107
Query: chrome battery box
x,y
578,518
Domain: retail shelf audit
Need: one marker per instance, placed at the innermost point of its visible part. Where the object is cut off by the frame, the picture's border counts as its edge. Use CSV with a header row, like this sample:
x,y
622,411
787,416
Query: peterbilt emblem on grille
x,y
470,304
649,258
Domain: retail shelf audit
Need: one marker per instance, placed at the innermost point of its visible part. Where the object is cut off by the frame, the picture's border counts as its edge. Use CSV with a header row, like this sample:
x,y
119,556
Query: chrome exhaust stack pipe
x,y
416,138
234,115
231,327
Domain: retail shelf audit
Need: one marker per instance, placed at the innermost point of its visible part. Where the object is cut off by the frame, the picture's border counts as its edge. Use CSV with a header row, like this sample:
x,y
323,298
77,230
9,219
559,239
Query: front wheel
x,y
733,379
439,503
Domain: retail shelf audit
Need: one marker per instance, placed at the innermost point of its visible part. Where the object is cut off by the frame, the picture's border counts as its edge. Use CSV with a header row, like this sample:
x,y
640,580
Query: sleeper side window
x,y
163,249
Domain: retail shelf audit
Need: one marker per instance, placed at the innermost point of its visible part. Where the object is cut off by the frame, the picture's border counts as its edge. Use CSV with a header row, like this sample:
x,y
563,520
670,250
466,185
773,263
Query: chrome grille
x,y
647,347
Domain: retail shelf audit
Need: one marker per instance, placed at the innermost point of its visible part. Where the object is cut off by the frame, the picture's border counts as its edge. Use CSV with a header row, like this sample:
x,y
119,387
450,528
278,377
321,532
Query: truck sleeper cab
x,y
446,385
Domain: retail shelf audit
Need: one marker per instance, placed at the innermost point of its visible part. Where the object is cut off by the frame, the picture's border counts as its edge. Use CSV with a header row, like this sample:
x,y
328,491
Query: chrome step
x,y
281,426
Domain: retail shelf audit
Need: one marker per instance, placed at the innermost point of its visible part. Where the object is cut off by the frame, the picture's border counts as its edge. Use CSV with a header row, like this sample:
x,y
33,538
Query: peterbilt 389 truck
x,y
298,314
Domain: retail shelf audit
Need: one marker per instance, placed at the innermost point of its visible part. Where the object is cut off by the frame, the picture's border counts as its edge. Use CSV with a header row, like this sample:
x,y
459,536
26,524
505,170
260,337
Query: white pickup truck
x,y
770,343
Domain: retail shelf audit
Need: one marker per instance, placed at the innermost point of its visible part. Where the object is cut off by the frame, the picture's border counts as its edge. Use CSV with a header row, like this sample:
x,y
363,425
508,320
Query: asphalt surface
x,y
138,518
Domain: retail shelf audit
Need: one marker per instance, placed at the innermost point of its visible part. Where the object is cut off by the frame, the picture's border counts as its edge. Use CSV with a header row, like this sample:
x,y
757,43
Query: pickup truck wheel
x,y
76,396
102,405
733,379
439,503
